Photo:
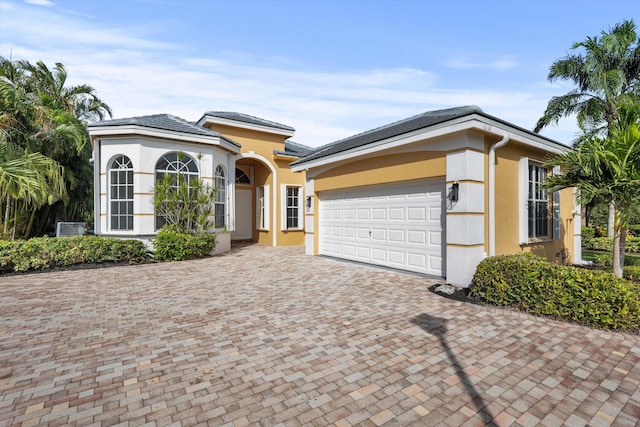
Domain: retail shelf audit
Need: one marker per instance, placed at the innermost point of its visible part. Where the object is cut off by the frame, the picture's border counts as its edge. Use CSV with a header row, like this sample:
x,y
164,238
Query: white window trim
x,y
265,208
283,212
523,203
224,200
109,199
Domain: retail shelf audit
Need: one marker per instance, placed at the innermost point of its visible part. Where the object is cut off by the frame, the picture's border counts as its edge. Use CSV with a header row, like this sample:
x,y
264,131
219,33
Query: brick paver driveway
x,y
268,335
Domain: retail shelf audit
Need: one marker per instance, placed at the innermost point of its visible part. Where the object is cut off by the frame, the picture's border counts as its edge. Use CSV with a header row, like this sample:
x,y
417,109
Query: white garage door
x,y
395,226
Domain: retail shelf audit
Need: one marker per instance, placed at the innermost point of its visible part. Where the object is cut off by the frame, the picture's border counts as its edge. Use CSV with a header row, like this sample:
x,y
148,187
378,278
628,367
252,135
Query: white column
x,y
309,217
465,217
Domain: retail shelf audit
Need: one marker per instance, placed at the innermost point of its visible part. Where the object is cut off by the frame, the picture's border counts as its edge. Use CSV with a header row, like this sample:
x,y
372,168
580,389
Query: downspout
x,y
492,192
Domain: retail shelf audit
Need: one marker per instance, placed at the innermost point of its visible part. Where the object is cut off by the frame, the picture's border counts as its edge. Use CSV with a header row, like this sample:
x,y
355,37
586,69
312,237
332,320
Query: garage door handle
x,y
369,233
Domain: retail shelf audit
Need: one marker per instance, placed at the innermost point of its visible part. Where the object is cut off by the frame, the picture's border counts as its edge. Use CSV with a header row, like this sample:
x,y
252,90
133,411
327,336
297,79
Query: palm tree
x,y
79,101
40,113
27,180
607,168
606,74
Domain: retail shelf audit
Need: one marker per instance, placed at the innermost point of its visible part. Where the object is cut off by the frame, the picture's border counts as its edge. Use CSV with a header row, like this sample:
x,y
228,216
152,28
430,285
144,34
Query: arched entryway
x,y
254,200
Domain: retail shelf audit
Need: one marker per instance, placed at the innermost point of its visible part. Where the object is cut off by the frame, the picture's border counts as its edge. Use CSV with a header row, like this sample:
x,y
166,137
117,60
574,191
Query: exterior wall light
x,y
308,202
453,192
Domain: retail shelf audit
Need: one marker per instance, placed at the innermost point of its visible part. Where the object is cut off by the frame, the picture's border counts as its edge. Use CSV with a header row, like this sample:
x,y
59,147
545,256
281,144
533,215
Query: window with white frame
x,y
179,167
540,212
262,207
292,207
121,194
537,203
220,198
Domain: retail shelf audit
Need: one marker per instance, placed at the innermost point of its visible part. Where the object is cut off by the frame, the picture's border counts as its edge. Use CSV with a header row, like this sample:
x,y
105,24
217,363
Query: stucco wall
x,y
261,145
507,208
144,154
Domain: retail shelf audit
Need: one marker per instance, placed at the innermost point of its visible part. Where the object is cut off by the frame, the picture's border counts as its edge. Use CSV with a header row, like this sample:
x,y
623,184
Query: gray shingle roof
x,y
410,124
246,118
159,121
296,149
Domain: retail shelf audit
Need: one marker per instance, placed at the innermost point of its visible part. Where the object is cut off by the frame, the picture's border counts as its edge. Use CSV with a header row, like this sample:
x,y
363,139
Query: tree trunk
x,y
617,258
611,220
623,246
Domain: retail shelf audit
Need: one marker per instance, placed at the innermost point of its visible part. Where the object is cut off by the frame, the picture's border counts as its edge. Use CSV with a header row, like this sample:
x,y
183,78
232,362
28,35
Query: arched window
x,y
121,194
221,193
242,177
178,166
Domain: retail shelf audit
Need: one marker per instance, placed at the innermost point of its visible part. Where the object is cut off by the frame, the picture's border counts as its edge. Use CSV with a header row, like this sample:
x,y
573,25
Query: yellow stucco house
x,y
436,193
432,194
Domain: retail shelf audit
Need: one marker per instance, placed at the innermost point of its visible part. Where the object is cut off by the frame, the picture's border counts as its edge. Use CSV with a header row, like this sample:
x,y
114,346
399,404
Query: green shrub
x,y
45,252
635,230
588,233
606,244
632,272
173,245
533,285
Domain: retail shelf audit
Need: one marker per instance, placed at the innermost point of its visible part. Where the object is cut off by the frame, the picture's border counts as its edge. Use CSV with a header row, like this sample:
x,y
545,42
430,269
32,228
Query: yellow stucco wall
x,y
263,144
383,169
507,207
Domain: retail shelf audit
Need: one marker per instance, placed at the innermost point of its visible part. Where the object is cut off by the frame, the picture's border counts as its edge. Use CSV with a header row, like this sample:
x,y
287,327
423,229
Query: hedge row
x,y
45,252
531,284
49,252
606,244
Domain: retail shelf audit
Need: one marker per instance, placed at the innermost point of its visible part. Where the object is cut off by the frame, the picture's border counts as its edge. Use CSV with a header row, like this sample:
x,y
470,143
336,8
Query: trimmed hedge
x,y
632,244
49,252
531,284
172,245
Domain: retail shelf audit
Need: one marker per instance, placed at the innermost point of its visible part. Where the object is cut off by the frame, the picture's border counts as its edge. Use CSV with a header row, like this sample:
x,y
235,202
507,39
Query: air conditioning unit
x,y
64,229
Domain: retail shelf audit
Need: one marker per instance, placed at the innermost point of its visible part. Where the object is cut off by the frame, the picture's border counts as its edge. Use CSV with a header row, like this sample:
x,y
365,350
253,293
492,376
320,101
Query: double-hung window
x,y
292,207
537,203
540,209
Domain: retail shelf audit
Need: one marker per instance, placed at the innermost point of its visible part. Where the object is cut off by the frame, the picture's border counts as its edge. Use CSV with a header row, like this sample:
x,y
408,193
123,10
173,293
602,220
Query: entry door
x,y
396,226
244,215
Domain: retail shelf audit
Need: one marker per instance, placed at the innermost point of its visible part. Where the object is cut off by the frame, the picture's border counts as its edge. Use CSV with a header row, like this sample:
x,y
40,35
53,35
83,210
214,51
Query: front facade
x,y
432,194
437,193
245,158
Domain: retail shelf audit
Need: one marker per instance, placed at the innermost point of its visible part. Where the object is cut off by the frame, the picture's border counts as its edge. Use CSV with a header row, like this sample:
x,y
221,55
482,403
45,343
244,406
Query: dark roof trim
x,y
425,121
249,121
159,121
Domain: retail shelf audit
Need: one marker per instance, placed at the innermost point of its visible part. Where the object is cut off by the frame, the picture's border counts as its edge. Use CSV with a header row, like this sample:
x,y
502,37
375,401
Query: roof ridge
x,y
248,117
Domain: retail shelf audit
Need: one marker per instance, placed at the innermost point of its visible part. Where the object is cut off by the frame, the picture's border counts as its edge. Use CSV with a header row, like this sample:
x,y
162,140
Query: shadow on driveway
x,y
437,327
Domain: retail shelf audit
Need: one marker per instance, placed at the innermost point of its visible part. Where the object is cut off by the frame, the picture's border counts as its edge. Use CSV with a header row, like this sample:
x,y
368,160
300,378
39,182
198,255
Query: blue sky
x,y
328,68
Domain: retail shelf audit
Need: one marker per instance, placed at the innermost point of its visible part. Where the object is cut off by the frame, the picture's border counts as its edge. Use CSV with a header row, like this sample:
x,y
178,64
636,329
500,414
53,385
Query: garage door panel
x,y
417,237
396,236
417,214
397,226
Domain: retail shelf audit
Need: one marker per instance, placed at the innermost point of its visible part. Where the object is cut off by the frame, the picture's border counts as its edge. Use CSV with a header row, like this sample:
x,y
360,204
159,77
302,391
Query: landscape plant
x,y
184,204
528,283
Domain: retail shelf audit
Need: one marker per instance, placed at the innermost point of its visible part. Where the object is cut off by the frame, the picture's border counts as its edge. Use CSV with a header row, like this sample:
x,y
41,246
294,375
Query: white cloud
x,y
137,76
40,2
497,64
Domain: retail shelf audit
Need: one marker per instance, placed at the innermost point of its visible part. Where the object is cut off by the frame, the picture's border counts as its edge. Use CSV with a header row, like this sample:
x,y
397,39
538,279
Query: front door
x,y
244,211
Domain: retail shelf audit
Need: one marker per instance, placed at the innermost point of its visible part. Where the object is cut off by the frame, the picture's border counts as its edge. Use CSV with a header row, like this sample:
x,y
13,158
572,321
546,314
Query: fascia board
x,y
470,122
244,125
115,131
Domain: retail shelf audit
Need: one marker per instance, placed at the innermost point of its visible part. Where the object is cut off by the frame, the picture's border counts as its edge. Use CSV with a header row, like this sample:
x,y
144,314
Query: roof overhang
x,y
244,125
281,155
103,132
476,122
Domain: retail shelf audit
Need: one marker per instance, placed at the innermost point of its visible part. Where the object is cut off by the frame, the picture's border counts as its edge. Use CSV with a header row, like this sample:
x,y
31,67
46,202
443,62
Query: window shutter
x,y
556,208
522,199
